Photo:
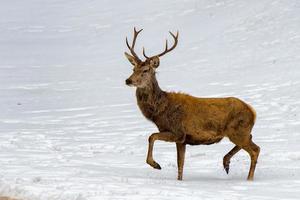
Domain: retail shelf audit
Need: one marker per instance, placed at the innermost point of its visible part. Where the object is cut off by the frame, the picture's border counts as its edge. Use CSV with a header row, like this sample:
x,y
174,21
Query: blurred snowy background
x,y
70,129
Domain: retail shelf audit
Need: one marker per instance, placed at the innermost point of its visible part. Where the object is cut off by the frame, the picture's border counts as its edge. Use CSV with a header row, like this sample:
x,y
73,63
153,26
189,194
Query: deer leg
x,y
253,151
165,136
228,156
180,159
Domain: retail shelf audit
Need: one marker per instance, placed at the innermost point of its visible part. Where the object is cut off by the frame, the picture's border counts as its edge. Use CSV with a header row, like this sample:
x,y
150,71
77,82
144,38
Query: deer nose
x,y
128,81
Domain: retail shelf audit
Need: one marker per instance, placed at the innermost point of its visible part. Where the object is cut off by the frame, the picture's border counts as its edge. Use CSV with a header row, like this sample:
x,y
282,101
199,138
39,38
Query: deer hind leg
x,y
253,151
180,159
244,140
228,156
164,136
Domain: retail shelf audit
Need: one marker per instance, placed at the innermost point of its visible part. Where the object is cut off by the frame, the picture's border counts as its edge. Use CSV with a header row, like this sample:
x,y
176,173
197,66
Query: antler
x,y
166,47
131,48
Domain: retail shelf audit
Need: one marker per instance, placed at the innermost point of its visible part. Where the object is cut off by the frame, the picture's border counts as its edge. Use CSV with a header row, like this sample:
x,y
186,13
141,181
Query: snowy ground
x,y
70,129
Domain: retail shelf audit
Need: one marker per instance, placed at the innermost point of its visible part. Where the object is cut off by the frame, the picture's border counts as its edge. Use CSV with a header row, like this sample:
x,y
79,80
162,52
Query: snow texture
x,y
70,129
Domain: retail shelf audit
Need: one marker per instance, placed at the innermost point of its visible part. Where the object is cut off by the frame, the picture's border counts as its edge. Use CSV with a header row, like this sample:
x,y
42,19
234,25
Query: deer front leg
x,y
180,159
164,136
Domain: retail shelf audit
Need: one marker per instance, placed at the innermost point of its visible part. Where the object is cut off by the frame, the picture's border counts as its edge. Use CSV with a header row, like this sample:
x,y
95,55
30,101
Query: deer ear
x,y
131,59
154,62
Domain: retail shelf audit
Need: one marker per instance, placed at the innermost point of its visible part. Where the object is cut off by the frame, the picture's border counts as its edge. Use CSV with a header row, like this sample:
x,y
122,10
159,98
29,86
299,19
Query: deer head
x,y
144,71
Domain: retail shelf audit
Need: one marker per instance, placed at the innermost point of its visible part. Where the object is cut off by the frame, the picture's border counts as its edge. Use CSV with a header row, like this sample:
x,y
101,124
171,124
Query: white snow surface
x,y
70,128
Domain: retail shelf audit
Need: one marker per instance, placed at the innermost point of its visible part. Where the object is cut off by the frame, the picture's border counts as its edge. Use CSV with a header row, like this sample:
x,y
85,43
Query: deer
x,y
187,120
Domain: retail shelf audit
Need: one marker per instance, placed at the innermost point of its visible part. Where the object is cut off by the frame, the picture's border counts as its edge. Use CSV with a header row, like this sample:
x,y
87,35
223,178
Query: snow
x,y
70,129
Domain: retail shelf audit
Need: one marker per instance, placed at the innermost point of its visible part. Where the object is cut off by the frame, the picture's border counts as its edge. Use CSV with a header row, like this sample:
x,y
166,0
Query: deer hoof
x,y
227,169
156,166
153,164
226,166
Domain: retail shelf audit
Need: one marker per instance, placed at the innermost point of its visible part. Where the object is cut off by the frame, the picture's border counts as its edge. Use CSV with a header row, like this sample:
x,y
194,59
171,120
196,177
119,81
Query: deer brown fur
x,y
185,119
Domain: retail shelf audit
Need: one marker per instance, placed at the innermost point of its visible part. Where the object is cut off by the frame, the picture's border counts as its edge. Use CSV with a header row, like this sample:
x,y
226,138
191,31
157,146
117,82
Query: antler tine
x,y
145,53
127,43
166,45
131,48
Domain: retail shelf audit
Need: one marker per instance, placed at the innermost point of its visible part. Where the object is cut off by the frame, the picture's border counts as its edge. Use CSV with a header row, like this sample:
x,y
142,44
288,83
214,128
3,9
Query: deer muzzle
x,y
128,82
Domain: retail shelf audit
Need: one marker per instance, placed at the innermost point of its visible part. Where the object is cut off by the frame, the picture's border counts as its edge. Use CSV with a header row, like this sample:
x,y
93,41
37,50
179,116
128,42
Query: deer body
x,y
198,120
185,119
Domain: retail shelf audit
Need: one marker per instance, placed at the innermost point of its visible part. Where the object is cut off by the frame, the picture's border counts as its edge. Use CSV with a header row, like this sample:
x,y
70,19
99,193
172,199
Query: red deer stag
x,y
185,119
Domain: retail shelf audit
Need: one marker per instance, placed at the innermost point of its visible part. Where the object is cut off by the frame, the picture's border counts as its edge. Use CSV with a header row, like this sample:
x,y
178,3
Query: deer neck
x,y
150,94
151,99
